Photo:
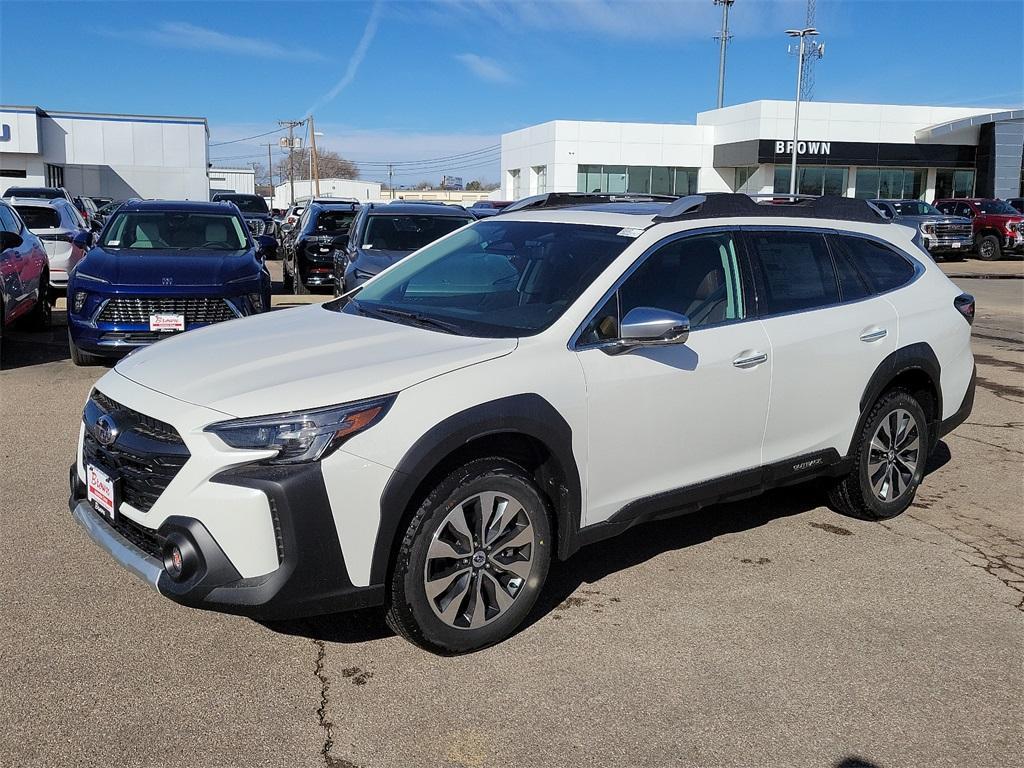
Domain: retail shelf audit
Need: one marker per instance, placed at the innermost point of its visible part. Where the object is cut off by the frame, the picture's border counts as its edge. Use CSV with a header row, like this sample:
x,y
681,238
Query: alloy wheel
x,y
479,560
893,455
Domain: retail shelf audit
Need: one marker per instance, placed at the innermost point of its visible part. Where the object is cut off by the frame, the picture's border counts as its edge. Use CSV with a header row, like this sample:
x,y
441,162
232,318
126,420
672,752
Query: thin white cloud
x,y
484,68
182,34
353,63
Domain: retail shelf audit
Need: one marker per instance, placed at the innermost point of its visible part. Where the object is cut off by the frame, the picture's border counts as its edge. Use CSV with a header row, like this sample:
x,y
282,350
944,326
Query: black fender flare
x,y
529,415
918,356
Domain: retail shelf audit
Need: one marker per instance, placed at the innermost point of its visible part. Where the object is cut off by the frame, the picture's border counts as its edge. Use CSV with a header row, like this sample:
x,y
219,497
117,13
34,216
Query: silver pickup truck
x,y
943,235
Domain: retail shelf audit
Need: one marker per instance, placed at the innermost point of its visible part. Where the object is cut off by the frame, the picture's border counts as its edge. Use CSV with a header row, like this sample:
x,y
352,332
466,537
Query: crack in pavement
x,y
985,442
325,723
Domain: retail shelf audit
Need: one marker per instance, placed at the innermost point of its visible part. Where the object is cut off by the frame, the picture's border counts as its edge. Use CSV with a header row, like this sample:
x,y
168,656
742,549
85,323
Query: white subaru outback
x,y
529,384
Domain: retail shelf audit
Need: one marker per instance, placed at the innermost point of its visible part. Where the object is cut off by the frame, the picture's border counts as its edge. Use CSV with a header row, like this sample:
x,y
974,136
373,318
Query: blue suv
x,y
161,268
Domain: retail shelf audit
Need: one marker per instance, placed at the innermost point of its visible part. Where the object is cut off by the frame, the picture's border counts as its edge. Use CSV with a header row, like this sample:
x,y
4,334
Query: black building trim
x,y
760,151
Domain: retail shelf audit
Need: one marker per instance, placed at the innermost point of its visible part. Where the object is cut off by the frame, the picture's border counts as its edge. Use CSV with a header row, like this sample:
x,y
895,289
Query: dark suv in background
x,y
385,233
309,254
998,226
942,235
254,210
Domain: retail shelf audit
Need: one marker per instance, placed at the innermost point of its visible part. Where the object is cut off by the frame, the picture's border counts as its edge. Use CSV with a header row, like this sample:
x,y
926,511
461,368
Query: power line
x,y
247,138
458,156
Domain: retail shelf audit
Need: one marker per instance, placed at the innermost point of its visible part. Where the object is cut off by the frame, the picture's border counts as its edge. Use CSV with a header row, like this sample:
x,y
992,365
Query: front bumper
x,y
310,580
938,244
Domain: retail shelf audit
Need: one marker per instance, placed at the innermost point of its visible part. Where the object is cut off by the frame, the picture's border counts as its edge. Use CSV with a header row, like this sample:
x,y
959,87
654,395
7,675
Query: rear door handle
x,y
751,361
874,334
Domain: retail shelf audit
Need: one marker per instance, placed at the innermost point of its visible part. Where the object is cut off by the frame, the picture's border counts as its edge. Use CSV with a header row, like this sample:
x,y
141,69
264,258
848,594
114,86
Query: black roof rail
x,y
728,204
569,199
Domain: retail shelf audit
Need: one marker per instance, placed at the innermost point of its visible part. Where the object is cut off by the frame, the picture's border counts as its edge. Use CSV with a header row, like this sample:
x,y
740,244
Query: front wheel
x,y
78,357
473,560
989,248
889,461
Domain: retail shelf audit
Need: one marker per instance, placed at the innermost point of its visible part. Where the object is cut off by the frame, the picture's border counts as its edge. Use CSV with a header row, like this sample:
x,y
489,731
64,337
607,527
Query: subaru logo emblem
x,y
106,430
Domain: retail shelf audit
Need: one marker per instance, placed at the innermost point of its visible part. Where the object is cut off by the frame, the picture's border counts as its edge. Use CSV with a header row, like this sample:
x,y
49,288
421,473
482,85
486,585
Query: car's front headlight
x,y
304,435
927,228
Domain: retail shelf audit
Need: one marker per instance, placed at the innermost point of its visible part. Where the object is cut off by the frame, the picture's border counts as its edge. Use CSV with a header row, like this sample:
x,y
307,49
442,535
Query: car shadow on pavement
x,y
593,563
23,347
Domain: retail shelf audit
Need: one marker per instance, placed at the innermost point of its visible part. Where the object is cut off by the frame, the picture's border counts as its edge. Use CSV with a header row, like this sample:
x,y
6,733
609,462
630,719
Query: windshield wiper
x,y
385,313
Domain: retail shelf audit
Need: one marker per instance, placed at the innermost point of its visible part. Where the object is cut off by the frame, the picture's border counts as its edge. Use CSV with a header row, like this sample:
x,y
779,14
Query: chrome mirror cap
x,y
649,326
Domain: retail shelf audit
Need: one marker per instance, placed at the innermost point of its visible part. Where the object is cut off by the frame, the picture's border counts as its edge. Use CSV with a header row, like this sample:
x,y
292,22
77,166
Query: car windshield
x,y
334,221
246,203
915,208
38,217
500,279
175,230
997,206
398,232
42,193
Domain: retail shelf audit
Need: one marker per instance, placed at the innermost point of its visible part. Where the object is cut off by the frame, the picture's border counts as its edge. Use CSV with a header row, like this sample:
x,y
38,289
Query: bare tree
x,y
332,166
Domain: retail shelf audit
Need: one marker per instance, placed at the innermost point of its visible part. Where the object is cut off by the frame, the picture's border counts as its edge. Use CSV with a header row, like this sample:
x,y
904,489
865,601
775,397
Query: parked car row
x,y
24,274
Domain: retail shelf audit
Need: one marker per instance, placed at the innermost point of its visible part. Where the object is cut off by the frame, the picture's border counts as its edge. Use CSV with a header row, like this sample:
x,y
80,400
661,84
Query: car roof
x,y
418,209
339,206
192,206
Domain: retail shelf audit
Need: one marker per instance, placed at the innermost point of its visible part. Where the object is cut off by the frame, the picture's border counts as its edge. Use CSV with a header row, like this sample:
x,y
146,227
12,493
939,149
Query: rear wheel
x,y
39,318
889,461
78,357
286,277
473,559
989,248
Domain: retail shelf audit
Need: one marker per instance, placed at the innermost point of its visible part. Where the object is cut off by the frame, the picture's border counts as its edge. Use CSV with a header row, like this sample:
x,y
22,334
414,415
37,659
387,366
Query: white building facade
x,y
854,150
304,188
239,180
119,156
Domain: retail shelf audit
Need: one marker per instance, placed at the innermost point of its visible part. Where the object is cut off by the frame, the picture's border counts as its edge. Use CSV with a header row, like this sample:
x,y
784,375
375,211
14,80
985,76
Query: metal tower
x,y
723,39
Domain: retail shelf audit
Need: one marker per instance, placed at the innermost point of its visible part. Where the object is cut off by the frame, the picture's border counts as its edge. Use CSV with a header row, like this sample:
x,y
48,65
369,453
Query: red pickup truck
x,y
998,226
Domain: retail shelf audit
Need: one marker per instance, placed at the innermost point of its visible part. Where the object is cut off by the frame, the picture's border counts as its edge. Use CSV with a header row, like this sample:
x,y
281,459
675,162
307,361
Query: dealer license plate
x,y
101,490
956,245
166,323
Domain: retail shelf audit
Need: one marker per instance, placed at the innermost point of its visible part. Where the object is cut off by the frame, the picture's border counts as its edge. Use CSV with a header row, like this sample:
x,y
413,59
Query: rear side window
x,y
852,284
37,217
796,271
884,268
8,221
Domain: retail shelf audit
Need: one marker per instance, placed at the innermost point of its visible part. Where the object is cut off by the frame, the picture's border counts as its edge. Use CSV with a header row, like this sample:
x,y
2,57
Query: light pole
x,y
801,33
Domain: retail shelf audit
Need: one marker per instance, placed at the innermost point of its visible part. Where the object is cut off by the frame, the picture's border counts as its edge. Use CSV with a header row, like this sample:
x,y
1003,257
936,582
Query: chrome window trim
x,y
574,344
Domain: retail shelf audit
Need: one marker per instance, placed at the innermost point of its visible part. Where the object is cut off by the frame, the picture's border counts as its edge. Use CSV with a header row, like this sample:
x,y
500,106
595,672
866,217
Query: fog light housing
x,y
180,557
79,302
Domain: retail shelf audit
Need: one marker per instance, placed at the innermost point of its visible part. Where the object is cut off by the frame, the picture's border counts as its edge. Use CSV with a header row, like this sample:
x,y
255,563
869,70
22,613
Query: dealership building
x,y
854,150
118,156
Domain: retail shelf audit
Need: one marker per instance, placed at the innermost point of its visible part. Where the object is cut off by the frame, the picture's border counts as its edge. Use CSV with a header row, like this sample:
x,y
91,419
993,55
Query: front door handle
x,y
874,334
751,361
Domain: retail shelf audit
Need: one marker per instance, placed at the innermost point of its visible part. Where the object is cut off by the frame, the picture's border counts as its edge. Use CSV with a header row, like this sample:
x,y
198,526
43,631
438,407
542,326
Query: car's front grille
x,y
146,454
129,338
953,230
149,541
137,309
256,226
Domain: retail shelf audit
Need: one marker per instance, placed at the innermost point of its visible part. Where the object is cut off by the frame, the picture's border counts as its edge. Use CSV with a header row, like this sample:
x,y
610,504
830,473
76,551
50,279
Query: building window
x,y
10,173
540,179
513,184
743,174
951,183
642,179
813,180
54,176
890,183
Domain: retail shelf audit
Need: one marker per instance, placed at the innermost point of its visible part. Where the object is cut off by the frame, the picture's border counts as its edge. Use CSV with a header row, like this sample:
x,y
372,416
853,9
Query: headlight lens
x,y
306,435
79,302
927,228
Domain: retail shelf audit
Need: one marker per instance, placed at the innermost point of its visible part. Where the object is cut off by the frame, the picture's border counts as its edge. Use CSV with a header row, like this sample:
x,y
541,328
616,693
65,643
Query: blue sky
x,y
405,81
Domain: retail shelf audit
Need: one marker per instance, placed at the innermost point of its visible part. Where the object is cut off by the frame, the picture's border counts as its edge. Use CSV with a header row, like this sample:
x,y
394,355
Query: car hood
x,y
159,267
933,218
300,358
1002,218
373,260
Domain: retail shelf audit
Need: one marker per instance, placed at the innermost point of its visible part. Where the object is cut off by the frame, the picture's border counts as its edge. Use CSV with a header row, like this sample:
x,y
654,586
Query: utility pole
x,y
291,125
391,182
807,91
802,34
313,159
723,39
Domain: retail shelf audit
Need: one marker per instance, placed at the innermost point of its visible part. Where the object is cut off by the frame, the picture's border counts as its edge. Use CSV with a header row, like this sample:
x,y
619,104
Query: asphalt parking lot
x,y
768,632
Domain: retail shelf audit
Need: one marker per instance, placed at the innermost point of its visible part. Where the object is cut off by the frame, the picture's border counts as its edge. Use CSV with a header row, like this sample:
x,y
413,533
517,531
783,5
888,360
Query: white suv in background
x,y
63,232
531,383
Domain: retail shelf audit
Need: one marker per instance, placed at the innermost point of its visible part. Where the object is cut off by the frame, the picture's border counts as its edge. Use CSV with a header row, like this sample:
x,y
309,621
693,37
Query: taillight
x,y
964,304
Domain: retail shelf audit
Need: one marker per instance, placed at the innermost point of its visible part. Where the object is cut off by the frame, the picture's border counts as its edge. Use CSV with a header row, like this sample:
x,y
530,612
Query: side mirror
x,y
9,240
266,243
340,242
651,327
82,239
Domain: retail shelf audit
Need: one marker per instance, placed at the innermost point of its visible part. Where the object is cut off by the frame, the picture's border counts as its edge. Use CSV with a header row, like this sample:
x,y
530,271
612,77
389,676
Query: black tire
x,y
286,277
989,248
409,610
78,357
298,287
39,318
855,495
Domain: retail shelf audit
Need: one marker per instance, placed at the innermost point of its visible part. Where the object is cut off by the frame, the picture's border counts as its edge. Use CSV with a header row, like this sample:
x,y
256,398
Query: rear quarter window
x,y
883,268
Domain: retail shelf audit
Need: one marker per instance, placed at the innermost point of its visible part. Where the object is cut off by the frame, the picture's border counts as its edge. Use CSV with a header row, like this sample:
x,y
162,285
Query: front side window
x,y
883,268
696,276
408,233
7,220
499,279
796,271
175,230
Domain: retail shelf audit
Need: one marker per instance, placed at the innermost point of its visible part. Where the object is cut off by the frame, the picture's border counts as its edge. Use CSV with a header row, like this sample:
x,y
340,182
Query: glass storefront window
x,y
641,179
954,183
743,174
891,183
813,180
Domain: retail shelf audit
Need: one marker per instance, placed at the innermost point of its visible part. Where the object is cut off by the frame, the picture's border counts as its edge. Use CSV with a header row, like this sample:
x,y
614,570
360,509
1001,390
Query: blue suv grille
x,y
137,309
